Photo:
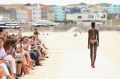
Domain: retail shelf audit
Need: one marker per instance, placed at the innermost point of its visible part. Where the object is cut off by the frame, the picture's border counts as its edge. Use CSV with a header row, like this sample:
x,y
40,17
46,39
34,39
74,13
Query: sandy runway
x,y
69,58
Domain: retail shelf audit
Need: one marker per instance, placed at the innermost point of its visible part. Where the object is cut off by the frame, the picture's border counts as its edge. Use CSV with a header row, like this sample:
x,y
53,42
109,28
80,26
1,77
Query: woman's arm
x,y
97,37
88,38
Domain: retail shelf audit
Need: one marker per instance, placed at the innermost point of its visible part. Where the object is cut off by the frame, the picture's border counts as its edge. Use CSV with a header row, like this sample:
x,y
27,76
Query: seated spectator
x,y
35,55
19,61
4,73
8,57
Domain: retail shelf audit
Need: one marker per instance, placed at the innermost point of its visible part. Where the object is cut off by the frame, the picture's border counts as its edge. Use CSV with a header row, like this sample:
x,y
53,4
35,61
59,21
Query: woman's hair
x,y
1,38
7,44
34,37
21,40
93,24
33,46
1,29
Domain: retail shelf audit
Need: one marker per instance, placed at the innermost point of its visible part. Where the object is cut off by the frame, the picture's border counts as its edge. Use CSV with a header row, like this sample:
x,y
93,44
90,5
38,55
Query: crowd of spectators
x,y
20,54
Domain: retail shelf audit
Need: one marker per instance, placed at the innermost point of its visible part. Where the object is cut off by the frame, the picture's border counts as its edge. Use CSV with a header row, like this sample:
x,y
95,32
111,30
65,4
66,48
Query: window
x,y
33,8
90,16
103,16
79,17
33,17
33,12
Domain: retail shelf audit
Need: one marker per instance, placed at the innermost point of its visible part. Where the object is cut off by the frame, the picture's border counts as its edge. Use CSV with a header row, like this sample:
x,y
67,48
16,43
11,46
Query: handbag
x,y
19,60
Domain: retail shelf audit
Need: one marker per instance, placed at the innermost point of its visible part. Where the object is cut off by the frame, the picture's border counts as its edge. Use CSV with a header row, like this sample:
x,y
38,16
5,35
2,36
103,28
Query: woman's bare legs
x,y
93,49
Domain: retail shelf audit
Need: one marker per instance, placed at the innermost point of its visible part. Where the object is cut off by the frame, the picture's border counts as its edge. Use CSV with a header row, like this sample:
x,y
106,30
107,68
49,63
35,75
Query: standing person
x,y
36,32
93,42
19,33
42,39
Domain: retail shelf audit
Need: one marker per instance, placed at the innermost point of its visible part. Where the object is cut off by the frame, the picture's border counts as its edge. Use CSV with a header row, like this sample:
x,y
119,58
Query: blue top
x,y
2,52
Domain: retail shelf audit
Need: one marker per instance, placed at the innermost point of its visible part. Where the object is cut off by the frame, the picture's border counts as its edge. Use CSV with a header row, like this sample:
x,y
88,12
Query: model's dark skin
x,y
93,43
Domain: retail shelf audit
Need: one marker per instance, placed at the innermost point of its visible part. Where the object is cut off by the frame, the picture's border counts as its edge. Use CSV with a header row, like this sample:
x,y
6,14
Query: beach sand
x,y
69,57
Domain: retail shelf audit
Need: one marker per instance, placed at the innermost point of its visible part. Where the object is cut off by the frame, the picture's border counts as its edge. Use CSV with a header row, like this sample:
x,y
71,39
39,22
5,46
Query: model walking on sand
x,y
93,42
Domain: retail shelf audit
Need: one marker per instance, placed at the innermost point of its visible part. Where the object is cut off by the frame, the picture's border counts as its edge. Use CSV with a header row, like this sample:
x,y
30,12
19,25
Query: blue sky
x,y
59,2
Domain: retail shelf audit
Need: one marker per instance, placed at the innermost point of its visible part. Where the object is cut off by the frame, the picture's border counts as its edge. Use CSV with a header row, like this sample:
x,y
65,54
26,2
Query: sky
x,y
59,2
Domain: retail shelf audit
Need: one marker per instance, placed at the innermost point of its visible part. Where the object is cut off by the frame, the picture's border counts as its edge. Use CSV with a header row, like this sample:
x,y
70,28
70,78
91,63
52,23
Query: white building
x,y
36,12
21,16
87,17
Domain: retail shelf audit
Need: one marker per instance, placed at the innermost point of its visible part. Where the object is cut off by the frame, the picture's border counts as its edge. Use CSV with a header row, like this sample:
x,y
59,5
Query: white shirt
x,y
2,52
